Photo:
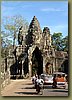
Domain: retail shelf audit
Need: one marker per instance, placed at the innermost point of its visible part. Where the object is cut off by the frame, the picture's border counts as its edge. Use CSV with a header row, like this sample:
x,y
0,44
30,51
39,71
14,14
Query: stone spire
x,y
46,30
34,32
35,25
47,36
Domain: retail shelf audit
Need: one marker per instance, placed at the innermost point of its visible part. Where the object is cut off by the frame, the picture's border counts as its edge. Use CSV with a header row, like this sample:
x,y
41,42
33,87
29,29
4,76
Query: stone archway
x,y
65,67
48,68
37,62
34,51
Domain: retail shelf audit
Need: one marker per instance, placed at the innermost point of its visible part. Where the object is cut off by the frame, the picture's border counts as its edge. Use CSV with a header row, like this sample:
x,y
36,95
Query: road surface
x,y
24,87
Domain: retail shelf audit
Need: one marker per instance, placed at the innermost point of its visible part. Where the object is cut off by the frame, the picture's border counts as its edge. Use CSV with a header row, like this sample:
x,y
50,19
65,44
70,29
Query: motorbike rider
x,y
39,84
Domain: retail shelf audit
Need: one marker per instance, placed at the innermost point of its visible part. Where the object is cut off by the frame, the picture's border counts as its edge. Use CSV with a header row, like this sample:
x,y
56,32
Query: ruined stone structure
x,y
5,70
35,54
38,52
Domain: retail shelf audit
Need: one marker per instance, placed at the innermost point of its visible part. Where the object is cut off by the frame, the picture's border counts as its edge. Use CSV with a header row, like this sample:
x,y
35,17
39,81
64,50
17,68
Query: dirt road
x,y
20,87
24,87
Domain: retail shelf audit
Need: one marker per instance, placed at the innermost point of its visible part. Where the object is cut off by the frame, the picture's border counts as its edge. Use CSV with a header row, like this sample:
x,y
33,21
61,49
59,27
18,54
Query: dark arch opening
x,y
65,66
25,66
37,62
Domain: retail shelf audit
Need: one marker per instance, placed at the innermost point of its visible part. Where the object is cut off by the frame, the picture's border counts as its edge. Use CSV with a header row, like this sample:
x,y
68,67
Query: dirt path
x,y
24,87
19,88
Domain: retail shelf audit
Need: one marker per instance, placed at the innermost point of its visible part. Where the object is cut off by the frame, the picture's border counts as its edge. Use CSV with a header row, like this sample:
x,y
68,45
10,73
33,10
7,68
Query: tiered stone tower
x,y
34,32
41,40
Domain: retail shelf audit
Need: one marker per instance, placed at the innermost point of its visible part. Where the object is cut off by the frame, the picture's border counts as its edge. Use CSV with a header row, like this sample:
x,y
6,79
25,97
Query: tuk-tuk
x,y
59,80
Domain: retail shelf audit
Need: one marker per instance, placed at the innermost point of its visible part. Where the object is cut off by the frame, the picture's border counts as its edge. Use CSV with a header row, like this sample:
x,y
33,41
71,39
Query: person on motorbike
x,y
34,78
39,84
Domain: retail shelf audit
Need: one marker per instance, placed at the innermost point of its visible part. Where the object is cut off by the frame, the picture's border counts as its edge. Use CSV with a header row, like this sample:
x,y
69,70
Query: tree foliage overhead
x,y
65,43
5,39
59,42
56,40
5,43
12,24
9,30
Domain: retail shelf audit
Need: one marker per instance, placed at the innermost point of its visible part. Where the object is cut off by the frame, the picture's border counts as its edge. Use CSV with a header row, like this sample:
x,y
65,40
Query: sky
x,y
52,14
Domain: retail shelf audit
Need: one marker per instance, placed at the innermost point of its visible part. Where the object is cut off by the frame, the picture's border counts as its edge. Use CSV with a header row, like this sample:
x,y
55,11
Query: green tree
x,y
64,43
60,42
12,25
57,41
5,40
9,32
5,43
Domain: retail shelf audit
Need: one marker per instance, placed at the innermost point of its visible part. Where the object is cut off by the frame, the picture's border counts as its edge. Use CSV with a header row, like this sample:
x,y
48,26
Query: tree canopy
x,y
9,30
59,42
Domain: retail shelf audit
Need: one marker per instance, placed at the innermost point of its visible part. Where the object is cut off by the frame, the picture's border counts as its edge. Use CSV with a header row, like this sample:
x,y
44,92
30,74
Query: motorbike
x,y
39,88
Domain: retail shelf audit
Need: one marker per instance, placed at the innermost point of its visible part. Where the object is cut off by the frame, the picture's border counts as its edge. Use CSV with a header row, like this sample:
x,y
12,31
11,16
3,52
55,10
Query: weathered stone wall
x,y
5,71
58,63
60,57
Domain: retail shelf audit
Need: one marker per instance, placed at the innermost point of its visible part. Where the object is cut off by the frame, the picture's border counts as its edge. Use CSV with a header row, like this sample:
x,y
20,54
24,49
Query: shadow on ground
x,y
28,93
59,90
28,88
32,87
28,84
47,87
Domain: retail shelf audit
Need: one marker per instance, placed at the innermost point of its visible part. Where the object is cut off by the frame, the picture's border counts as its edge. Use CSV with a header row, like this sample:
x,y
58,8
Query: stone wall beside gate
x,y
5,71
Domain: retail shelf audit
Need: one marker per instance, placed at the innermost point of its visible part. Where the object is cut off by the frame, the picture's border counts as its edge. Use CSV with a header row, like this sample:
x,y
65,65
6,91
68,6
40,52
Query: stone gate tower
x,y
39,47
35,54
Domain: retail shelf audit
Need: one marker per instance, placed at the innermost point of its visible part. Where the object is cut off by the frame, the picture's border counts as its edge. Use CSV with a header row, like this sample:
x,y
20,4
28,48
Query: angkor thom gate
x,y
34,51
35,54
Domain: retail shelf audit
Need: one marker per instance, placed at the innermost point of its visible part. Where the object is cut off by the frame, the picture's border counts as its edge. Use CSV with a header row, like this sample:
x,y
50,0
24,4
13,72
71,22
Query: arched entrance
x,y
25,67
48,68
37,62
65,66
